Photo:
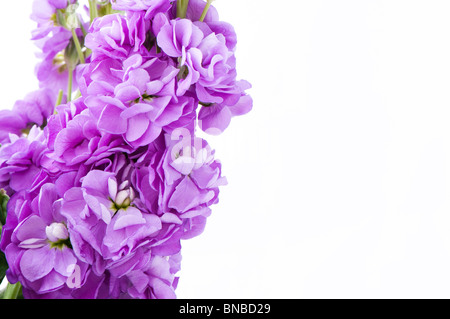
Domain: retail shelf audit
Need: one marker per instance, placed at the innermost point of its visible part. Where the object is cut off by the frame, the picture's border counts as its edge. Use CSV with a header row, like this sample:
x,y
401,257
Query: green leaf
x,y
3,266
3,203
13,291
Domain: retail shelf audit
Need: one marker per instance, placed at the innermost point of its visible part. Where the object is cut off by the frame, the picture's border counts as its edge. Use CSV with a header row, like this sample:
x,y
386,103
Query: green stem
x,y
182,6
109,9
88,52
205,11
12,291
69,86
186,3
83,30
93,12
179,7
78,46
60,97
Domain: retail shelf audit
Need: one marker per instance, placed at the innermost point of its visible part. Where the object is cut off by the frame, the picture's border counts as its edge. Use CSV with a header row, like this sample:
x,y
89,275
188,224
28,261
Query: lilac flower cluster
x,y
104,170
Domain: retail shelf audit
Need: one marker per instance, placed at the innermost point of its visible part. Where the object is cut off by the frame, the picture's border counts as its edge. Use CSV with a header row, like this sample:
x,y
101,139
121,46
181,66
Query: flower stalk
x,y
60,97
205,10
93,10
12,291
76,41
182,6
69,85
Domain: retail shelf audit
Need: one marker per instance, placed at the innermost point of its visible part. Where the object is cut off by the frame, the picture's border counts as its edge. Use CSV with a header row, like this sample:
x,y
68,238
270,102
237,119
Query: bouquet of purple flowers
x,y
101,172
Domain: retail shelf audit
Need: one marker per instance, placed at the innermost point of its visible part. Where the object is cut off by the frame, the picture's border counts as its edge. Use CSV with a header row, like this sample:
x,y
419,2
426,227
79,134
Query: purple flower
x,y
44,13
206,59
53,38
39,252
180,39
215,118
110,36
150,7
34,109
183,180
58,57
21,160
154,281
128,90
108,229
217,68
105,187
135,98
75,139
10,123
52,72
63,114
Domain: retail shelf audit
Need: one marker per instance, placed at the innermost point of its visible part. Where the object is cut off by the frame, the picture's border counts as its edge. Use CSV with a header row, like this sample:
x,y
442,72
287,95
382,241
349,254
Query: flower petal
x,y
111,121
37,263
137,126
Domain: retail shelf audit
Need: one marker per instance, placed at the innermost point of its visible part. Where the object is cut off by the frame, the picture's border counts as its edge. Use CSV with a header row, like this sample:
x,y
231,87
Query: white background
x,y
338,179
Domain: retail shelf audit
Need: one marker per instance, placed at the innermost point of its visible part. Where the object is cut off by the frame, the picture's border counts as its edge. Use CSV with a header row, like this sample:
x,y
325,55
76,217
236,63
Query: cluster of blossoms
x,y
102,167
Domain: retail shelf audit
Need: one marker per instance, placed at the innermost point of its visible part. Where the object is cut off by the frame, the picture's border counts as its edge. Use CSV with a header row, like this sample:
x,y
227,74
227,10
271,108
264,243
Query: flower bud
x,y
56,232
122,197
